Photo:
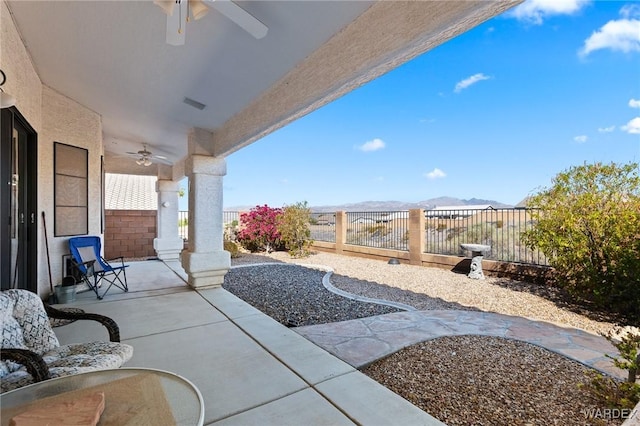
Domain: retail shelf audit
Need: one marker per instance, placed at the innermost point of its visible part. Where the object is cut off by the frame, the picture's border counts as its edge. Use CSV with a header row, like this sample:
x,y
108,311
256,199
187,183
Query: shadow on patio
x,y
249,368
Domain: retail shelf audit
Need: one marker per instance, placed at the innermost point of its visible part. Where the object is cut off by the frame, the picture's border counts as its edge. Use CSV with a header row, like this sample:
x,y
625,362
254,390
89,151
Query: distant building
x,y
379,217
455,212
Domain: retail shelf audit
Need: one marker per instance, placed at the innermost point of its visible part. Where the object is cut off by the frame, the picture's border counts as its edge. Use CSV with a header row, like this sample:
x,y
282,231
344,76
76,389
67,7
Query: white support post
x,y
168,243
205,262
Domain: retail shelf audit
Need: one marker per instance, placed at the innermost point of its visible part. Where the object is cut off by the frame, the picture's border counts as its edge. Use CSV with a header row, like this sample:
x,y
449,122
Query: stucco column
x,y
205,262
416,236
341,231
168,244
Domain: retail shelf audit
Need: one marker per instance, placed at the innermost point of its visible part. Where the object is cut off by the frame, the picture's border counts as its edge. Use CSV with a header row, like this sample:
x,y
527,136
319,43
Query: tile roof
x,y
130,192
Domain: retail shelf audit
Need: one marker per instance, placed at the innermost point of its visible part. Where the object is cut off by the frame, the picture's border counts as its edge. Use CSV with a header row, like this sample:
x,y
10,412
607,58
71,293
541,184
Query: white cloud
x,y
634,103
633,126
581,138
620,35
606,129
372,145
630,11
461,85
435,174
536,11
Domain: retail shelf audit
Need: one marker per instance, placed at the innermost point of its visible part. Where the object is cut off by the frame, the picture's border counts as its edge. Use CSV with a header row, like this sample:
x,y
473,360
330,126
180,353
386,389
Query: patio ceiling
x,y
111,56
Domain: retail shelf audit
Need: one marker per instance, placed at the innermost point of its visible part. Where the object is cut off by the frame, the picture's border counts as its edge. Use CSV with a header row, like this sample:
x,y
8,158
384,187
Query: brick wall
x,y
129,233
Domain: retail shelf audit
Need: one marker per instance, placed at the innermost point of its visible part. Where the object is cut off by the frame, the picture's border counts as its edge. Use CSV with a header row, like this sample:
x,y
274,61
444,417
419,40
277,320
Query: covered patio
x,y
249,368
97,81
104,81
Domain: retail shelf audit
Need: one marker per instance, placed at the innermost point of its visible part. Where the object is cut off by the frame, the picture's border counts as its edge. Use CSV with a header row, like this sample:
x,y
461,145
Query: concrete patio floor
x,y
249,368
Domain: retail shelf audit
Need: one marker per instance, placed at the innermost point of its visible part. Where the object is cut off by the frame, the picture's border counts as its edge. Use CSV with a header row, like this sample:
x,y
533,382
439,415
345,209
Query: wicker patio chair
x,y
31,352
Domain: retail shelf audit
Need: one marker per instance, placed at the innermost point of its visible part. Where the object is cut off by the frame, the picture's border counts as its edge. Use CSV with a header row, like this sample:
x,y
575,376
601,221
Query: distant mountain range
x,y
365,206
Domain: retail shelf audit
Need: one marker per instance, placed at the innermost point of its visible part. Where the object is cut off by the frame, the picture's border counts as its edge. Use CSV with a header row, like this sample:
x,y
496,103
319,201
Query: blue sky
x,y
494,113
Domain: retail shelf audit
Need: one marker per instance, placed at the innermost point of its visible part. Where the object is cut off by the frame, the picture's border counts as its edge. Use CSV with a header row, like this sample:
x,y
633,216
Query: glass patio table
x,y
131,395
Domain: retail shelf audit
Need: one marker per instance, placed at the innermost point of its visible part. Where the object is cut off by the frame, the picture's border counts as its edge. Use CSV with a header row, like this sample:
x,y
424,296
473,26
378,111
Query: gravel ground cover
x,y
480,380
433,288
470,380
294,295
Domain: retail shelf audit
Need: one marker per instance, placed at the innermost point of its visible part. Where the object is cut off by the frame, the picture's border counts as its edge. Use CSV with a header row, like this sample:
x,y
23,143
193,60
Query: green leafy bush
x,y
293,226
588,226
232,248
613,393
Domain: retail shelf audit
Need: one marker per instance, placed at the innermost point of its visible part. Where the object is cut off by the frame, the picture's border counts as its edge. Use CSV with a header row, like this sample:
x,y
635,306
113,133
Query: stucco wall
x,y
66,121
55,118
22,82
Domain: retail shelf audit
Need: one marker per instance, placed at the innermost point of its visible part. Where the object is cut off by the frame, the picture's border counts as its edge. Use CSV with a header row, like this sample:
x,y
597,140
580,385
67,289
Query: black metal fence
x,y
229,218
323,227
498,228
183,224
445,230
386,229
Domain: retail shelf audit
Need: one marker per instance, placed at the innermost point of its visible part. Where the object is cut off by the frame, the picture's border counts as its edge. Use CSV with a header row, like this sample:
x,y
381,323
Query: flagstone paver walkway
x,y
362,341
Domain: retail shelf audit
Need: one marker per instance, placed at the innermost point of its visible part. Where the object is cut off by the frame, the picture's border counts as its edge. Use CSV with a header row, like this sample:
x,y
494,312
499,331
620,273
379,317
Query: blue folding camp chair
x,y
93,268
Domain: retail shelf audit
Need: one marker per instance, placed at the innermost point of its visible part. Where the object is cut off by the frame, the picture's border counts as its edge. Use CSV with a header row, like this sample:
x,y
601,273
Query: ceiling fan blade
x,y
241,17
176,24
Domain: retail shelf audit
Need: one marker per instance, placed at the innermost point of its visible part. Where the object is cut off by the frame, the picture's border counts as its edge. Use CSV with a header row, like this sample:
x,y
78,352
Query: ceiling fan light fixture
x,y
140,161
166,5
198,9
147,162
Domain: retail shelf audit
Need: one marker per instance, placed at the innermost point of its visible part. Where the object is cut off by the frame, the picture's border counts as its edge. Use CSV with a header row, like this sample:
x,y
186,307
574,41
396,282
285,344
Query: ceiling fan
x,y
145,156
196,9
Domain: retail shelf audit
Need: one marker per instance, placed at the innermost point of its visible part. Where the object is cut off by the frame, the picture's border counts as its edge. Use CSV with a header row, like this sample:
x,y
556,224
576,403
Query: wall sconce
x,y
166,204
6,100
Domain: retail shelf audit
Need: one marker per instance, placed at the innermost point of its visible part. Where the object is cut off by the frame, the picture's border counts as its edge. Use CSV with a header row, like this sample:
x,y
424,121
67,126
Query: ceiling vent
x,y
194,103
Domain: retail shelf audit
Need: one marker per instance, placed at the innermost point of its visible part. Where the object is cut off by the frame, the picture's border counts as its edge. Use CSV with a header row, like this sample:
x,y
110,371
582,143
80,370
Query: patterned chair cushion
x,y
97,355
25,325
21,378
11,334
29,312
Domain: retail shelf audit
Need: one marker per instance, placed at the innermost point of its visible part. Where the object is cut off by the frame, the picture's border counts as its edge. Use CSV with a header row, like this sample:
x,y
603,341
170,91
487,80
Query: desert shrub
x,y
479,234
232,248
613,393
293,225
588,226
499,224
379,230
230,232
441,226
259,229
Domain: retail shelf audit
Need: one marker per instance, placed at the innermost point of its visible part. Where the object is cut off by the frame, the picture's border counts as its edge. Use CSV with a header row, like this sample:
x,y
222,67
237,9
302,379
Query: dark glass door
x,y
19,202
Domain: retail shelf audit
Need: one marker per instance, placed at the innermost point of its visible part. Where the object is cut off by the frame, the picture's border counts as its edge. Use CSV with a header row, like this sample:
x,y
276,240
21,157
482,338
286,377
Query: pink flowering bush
x,y
259,229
